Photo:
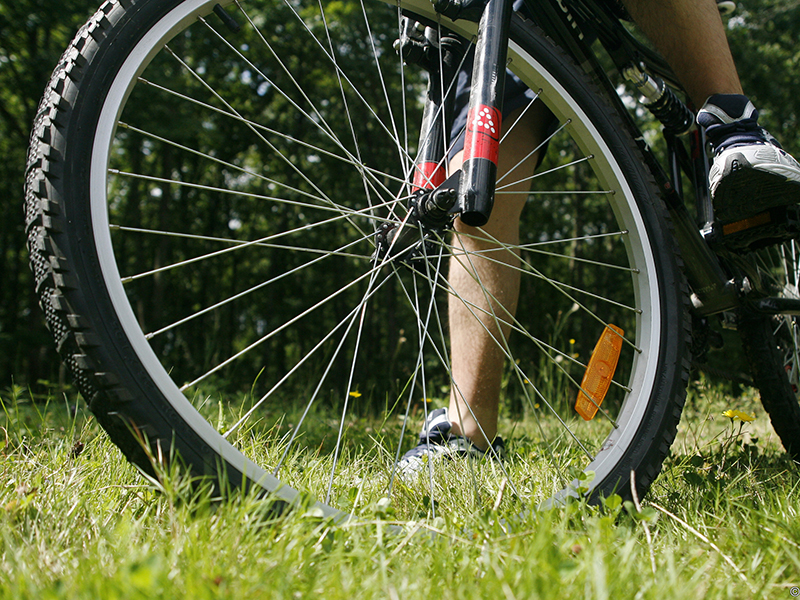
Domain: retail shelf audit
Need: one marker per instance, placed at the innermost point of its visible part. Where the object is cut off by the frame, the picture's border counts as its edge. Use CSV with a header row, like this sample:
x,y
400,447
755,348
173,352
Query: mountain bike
x,y
240,220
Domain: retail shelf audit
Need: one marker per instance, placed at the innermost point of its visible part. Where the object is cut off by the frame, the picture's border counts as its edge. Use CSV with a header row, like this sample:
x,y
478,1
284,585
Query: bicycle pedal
x,y
773,226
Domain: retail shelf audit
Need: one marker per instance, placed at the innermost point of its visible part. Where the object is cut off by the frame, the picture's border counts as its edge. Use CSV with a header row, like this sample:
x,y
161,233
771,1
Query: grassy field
x,y
79,522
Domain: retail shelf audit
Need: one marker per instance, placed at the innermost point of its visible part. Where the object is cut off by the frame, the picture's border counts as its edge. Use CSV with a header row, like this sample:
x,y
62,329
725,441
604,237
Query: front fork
x,y
482,135
476,184
468,193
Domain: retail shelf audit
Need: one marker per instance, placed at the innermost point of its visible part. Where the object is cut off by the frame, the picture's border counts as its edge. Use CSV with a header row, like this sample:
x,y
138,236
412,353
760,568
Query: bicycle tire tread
x,y
769,376
54,281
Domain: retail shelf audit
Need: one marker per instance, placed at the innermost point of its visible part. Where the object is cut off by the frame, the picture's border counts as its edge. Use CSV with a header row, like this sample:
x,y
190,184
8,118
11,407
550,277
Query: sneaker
x,y
435,440
750,173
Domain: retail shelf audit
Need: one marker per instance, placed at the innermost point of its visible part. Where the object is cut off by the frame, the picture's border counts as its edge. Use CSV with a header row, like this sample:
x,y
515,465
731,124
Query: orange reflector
x,y
599,373
760,219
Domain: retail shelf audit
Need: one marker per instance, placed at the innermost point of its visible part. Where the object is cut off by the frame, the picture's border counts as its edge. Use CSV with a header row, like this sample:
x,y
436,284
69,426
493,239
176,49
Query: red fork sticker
x,y
428,176
482,139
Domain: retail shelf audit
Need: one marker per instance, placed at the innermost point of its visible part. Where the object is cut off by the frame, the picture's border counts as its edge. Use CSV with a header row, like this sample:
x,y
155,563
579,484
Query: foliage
x,y
34,32
763,42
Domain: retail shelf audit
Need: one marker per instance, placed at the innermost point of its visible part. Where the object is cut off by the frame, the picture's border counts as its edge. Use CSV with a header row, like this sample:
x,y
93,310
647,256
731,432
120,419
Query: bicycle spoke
x,y
286,160
376,176
264,338
502,344
474,309
323,256
206,238
235,248
517,327
543,144
563,288
349,319
549,172
345,78
343,211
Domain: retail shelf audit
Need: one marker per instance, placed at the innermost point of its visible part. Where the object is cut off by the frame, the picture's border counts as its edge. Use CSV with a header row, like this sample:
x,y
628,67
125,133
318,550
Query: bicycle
x,y
283,235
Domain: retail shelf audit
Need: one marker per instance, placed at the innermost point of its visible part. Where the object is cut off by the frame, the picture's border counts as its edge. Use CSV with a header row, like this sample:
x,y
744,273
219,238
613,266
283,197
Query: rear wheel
x,y
771,343
204,190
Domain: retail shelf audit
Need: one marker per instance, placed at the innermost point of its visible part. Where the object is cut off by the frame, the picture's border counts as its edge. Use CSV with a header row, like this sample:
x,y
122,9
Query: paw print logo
x,y
484,120
483,133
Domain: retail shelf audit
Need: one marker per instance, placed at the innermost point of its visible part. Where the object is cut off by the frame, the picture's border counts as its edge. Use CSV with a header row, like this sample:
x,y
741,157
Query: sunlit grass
x,y
79,522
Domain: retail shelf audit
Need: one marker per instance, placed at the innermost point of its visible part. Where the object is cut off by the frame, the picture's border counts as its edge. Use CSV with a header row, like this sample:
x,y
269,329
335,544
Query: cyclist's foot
x,y
436,440
751,173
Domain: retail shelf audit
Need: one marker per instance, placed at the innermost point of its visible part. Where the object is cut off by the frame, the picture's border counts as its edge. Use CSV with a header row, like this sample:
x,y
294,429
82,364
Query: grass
x,y
79,522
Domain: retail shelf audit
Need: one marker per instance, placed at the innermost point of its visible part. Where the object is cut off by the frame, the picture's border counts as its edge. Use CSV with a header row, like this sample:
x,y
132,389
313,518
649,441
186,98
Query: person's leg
x,y
485,286
691,37
696,47
750,173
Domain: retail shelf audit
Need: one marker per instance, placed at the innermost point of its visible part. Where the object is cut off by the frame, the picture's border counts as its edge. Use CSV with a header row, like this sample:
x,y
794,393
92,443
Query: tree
x,y
763,38
33,34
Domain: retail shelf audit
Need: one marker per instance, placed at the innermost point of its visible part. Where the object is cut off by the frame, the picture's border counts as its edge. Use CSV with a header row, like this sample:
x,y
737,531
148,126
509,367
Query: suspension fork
x,y
478,177
442,58
433,196
470,192
482,136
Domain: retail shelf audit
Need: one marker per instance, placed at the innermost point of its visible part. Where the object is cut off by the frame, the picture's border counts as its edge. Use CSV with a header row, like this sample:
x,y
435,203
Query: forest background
x,y
33,34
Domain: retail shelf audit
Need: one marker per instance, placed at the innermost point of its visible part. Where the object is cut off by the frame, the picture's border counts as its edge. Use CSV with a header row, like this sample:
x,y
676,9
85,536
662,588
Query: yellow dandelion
x,y
355,394
738,415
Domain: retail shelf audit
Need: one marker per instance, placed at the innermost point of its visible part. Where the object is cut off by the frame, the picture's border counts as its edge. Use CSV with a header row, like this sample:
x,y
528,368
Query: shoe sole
x,y
745,192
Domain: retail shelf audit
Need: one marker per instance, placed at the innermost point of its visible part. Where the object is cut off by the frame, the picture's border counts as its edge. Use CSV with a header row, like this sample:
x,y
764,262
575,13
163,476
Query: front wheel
x,y
205,184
